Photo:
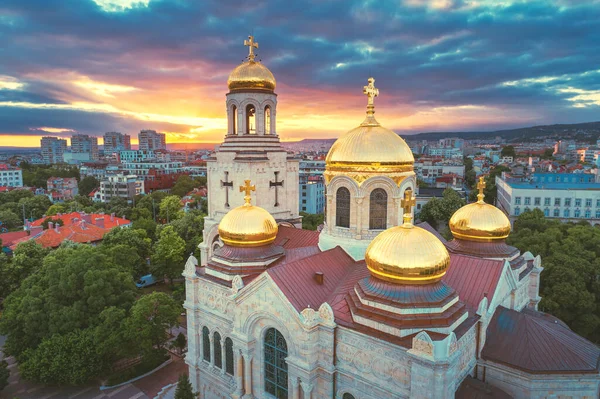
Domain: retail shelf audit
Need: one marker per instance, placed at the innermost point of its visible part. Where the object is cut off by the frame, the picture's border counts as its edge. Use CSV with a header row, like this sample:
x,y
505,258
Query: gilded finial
x,y
251,46
407,204
480,187
247,188
371,91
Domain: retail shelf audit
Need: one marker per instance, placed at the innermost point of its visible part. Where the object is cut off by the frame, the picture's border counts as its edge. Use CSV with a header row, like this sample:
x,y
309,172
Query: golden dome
x,y
248,225
407,254
369,148
251,75
479,221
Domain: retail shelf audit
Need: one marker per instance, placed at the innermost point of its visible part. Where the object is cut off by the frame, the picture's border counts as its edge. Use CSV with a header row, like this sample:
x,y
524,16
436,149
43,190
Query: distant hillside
x,y
582,131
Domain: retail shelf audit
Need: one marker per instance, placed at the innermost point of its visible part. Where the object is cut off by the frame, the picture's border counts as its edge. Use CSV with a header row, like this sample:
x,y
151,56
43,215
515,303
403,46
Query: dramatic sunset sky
x,y
92,66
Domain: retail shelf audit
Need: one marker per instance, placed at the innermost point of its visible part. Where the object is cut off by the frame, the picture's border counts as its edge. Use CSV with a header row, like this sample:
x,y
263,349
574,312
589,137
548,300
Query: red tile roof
x,y
9,238
536,343
290,237
473,277
68,219
79,233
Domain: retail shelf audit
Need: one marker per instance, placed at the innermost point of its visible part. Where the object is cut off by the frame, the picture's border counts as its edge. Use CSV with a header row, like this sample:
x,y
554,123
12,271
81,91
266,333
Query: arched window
x,y
378,209
342,207
234,119
206,343
347,396
250,119
276,370
268,120
217,349
229,356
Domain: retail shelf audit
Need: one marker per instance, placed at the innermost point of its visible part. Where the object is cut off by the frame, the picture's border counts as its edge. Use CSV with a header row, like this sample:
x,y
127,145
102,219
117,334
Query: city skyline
x,y
96,66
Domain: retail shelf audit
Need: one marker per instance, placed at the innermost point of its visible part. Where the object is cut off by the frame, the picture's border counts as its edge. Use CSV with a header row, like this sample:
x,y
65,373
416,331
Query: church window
x,y
206,343
348,396
229,356
234,119
378,210
276,369
217,349
250,119
342,207
268,120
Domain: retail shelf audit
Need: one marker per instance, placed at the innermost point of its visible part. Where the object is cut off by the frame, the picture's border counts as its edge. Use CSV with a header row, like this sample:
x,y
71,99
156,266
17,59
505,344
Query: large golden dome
x,y
251,74
407,254
248,225
479,221
369,149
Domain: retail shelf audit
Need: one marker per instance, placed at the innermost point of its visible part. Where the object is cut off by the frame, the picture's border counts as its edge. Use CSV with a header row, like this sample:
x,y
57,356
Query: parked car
x,y
146,281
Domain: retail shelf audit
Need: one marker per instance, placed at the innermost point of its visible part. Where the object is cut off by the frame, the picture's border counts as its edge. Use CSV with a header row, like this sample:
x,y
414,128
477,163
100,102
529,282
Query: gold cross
x,y
247,188
371,91
480,187
251,46
407,203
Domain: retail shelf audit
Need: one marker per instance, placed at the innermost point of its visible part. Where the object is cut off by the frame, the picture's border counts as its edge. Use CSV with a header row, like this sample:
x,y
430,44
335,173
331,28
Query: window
x,y
304,201
566,213
598,203
537,201
234,119
378,209
517,211
217,349
556,213
229,356
588,214
342,207
517,200
557,202
527,201
588,202
250,119
577,201
546,212
206,343
598,214
348,396
267,120
577,213
546,201
276,370
567,201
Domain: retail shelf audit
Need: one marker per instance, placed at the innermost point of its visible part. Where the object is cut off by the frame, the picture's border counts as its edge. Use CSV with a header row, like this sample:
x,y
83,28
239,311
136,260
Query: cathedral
x,y
373,306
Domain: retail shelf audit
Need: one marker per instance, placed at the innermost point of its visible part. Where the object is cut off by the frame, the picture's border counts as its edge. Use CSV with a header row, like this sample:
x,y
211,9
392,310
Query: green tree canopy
x,y
136,241
27,258
4,374
9,219
170,208
184,185
87,185
35,206
189,228
508,151
311,221
437,212
184,388
169,251
56,208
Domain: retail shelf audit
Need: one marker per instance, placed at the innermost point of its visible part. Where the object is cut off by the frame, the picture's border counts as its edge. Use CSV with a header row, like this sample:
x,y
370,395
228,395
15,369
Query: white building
x,y
429,170
121,186
158,168
150,140
136,155
10,176
562,196
53,149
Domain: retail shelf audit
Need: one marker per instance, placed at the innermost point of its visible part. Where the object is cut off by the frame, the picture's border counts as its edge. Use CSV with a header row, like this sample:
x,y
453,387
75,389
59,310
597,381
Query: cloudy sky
x,y
92,66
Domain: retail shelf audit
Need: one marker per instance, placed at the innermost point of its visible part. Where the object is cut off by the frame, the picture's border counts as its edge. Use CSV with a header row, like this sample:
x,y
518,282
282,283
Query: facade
x,y
76,158
53,149
115,142
562,196
251,144
82,143
10,176
136,155
430,169
145,168
150,140
312,194
62,188
121,186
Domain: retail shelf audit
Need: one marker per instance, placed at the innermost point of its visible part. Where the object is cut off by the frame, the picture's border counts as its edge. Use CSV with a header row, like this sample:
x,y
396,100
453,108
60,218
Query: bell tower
x,y
251,150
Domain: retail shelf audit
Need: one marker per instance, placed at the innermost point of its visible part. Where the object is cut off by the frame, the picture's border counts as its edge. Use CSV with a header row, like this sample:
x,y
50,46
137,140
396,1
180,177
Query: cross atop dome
x,y
251,46
480,187
407,204
371,91
247,188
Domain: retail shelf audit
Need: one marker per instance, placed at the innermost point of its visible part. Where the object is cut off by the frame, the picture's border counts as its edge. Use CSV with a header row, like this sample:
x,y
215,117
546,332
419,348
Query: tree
x,y
184,185
87,185
119,207
170,208
311,221
36,206
148,225
548,153
9,219
151,318
184,388
439,211
75,284
4,374
180,342
131,240
169,250
508,151
189,228
56,209
27,258
490,191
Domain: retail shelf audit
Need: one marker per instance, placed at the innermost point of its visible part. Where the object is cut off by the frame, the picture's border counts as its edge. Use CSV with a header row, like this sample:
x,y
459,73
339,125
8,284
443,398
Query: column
x,y
248,376
223,356
239,378
307,389
212,348
294,388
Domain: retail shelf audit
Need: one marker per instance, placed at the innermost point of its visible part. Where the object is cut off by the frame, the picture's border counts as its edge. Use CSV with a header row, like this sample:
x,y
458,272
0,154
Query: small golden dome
x,y
248,225
251,75
369,148
407,254
479,221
